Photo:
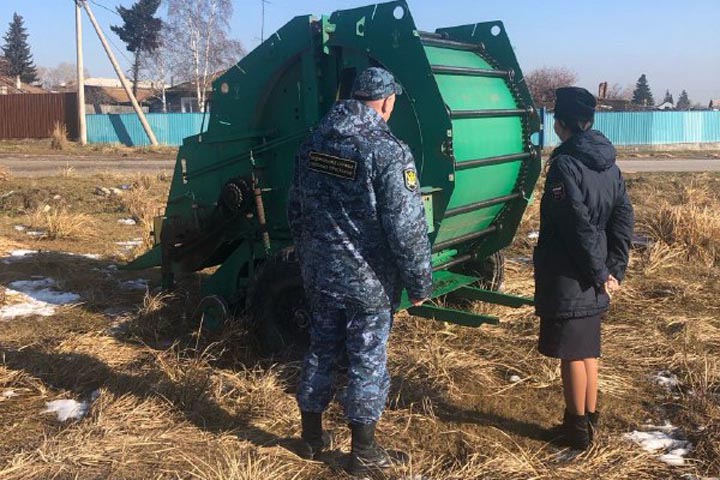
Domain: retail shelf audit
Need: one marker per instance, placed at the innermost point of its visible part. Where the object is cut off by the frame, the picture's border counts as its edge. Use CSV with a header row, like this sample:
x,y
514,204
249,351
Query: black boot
x,y
315,439
593,424
367,456
577,435
573,432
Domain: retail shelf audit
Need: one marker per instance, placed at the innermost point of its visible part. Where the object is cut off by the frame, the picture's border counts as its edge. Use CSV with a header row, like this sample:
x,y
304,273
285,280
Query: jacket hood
x,y
347,117
592,148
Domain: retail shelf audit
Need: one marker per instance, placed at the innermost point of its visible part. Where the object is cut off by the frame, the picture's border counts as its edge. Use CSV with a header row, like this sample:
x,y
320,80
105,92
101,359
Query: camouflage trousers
x,y
361,335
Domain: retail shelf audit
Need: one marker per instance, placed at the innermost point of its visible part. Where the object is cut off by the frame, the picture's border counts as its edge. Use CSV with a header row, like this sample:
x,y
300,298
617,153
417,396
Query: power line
x,y
118,49
94,2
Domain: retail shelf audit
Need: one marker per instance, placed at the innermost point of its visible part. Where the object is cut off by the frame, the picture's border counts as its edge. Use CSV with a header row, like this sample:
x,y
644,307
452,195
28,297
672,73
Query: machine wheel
x,y
212,313
490,271
278,307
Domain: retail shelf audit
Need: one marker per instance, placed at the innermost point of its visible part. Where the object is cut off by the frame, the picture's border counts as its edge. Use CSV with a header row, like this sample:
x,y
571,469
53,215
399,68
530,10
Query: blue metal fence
x,y
125,128
622,128
649,128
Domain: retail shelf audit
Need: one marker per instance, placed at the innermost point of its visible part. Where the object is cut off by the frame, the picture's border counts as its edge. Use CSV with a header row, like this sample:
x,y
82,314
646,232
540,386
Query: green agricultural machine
x,y
466,114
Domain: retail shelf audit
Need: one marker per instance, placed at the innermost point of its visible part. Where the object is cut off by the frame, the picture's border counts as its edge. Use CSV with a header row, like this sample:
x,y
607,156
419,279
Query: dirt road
x,y
25,165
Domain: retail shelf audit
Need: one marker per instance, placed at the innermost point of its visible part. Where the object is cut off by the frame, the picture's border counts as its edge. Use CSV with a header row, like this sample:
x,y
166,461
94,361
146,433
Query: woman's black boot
x,y
577,432
593,424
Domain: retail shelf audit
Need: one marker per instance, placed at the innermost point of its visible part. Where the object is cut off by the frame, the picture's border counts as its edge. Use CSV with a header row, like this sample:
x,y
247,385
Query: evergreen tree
x,y
642,94
140,32
668,97
683,101
17,52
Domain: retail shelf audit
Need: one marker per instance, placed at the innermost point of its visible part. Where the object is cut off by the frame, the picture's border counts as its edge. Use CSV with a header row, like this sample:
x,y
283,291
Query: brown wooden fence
x,y
34,115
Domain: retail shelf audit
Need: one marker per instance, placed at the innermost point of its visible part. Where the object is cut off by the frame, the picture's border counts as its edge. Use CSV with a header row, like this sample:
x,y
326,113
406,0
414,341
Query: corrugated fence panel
x,y
649,128
622,128
34,115
125,128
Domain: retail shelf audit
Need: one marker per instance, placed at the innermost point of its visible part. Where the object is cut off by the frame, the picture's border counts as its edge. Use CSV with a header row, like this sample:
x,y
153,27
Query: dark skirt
x,y
570,339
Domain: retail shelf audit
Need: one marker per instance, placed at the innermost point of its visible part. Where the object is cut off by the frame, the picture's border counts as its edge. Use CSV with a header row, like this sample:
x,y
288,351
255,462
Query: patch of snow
x,y
20,228
676,457
15,254
27,307
533,235
138,284
67,409
41,291
28,285
35,233
127,221
665,438
34,297
9,394
522,259
666,379
515,378
130,244
23,253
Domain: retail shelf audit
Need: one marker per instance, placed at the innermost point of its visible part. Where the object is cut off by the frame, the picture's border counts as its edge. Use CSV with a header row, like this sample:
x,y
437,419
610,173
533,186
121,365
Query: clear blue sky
x,y
677,44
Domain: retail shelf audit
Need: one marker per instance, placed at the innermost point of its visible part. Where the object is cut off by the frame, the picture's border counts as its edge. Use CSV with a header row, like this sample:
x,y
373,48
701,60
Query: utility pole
x,y
262,23
120,74
80,74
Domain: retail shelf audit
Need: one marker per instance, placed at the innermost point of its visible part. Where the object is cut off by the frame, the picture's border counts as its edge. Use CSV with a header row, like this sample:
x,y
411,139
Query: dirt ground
x,y
164,402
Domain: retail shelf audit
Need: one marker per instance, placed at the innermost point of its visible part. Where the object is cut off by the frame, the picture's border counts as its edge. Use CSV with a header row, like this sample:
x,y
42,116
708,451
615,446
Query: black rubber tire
x,y
490,271
277,305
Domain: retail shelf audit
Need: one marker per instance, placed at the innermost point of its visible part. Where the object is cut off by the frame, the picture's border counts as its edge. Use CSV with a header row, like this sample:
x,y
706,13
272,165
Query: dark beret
x,y
574,104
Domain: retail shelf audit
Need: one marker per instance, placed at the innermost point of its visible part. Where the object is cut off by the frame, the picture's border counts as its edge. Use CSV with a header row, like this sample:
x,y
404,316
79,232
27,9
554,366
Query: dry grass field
x,y
166,403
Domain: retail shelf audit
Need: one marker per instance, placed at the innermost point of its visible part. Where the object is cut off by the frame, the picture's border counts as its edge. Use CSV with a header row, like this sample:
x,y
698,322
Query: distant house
x,y
182,98
615,105
106,95
13,86
714,104
665,106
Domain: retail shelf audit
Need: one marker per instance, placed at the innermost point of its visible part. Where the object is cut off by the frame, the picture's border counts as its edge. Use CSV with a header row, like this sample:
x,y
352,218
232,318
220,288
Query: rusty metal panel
x,y
34,115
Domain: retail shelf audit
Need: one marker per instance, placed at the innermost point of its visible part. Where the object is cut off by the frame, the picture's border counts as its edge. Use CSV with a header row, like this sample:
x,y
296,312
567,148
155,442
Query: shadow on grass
x,y
82,374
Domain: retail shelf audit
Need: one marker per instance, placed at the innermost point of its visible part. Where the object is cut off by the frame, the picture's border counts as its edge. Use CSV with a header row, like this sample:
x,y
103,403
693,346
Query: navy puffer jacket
x,y
586,225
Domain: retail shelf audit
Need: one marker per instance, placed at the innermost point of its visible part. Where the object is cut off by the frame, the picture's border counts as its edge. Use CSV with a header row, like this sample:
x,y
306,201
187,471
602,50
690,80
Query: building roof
x,y
118,95
110,83
110,95
9,85
191,86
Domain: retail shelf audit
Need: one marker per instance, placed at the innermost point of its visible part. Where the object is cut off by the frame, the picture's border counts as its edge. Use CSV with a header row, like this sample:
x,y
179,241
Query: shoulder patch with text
x,y
331,165
411,180
558,191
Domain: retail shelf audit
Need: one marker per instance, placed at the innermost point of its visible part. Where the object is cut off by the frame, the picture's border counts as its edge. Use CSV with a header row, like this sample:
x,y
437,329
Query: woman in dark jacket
x,y
586,224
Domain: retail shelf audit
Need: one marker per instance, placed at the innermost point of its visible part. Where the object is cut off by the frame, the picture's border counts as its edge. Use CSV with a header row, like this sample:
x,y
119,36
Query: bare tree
x,y
155,68
618,92
58,76
543,82
198,34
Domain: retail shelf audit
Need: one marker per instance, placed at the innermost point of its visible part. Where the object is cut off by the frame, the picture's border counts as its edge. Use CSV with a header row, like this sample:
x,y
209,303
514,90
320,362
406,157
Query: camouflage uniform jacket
x,y
355,213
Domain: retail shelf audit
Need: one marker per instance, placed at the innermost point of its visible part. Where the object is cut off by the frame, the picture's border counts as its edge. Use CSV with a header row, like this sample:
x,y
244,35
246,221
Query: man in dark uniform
x,y
360,232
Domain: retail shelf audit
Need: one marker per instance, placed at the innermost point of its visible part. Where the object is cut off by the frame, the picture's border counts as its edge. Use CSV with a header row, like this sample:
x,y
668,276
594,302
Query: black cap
x,y
574,104
375,83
